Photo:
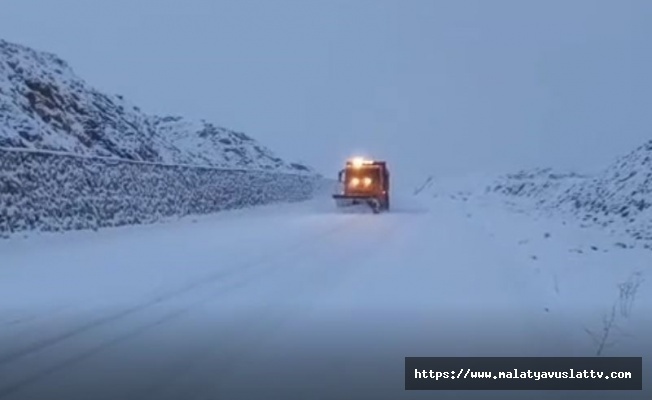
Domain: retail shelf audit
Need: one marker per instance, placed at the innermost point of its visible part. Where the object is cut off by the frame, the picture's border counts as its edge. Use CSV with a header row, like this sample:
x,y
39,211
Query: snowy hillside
x,y
200,142
45,106
618,198
72,157
621,194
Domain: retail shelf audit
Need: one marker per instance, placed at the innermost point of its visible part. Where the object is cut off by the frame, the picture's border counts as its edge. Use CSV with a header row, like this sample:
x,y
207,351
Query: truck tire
x,y
375,205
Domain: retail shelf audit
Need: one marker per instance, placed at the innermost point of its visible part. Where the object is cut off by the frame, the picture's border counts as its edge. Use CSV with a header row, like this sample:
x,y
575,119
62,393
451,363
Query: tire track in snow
x,y
263,320
27,321
274,265
16,354
111,319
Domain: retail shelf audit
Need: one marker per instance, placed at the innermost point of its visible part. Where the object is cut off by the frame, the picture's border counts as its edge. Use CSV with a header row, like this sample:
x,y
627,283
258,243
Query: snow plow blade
x,y
342,200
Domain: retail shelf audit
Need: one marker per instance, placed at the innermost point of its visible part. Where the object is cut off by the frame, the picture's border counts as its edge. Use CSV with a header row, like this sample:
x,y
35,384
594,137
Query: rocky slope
x,y
45,106
619,197
72,157
621,194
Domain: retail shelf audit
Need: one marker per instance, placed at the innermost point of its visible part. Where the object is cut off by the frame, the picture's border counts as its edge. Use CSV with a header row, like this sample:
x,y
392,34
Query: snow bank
x,y
618,198
541,184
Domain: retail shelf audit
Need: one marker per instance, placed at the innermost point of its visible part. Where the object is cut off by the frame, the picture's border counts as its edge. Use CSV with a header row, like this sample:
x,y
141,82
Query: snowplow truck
x,y
364,182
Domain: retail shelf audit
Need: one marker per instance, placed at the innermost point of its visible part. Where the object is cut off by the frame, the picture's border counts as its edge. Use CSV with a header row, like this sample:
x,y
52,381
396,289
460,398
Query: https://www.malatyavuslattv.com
x,y
516,374
523,373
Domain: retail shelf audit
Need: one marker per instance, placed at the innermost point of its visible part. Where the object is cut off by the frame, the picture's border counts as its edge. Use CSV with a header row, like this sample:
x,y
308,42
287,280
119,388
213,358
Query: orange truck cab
x,y
364,182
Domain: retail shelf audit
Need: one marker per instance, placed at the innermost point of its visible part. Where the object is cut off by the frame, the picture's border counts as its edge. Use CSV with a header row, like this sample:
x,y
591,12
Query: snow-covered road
x,y
285,301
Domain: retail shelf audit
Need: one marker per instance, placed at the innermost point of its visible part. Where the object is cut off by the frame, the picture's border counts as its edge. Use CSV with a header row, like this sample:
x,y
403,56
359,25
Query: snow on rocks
x,y
72,157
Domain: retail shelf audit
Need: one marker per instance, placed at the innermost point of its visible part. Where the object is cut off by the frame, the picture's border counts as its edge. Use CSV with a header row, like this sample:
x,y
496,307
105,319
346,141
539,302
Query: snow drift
x,y
73,157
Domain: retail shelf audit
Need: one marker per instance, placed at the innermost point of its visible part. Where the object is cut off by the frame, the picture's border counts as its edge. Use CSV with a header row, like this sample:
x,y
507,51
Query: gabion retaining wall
x,y
53,192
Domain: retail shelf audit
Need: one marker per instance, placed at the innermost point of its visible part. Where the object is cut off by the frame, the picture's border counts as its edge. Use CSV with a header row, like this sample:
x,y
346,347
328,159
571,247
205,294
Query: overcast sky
x,y
433,86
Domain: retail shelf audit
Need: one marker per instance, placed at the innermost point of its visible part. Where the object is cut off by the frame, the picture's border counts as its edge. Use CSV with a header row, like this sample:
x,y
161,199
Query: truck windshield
x,y
361,173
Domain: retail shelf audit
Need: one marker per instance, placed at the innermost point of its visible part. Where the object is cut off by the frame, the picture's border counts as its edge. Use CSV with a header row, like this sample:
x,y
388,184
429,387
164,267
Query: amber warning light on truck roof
x,y
358,162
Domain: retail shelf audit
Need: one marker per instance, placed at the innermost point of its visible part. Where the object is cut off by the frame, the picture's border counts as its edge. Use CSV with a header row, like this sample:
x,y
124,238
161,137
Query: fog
x,y
434,87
